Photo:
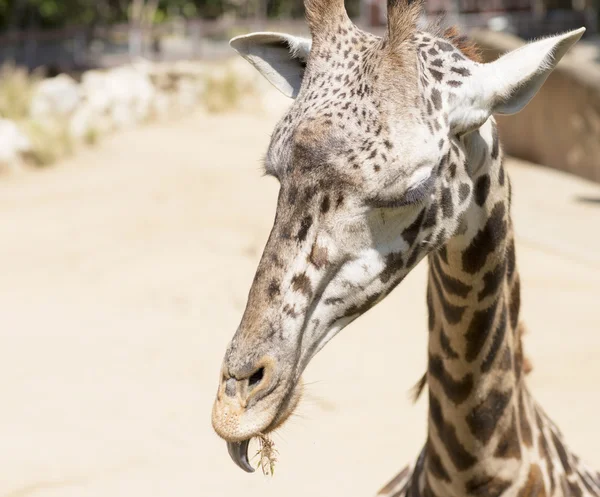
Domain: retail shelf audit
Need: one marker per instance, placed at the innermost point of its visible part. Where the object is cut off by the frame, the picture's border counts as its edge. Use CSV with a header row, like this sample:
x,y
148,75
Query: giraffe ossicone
x,y
390,154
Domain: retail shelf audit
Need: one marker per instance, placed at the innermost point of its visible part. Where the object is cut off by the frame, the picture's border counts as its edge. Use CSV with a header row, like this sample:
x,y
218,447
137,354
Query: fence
x,y
78,48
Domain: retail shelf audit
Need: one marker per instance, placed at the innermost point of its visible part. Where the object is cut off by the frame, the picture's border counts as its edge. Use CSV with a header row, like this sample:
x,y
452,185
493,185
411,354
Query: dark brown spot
x,y
461,458
436,98
453,313
305,225
463,71
492,281
501,175
482,189
484,418
436,74
301,283
463,192
479,330
410,234
325,205
435,464
431,217
360,309
447,346
511,259
486,241
452,170
393,264
486,486
430,310
273,289
451,284
318,256
456,391
290,311
497,342
509,446
447,206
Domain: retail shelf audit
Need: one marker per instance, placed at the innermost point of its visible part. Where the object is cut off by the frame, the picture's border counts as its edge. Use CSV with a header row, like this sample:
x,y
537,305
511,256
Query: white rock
x,y
132,94
96,91
86,121
13,143
54,97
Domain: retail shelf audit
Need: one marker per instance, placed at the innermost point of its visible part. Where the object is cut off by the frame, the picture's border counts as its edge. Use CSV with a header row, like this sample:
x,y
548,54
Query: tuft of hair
x,y
418,389
527,365
322,13
438,27
403,17
461,41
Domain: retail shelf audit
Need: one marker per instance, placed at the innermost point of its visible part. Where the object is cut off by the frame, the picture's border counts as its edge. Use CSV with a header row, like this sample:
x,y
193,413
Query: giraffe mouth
x,y
239,454
238,449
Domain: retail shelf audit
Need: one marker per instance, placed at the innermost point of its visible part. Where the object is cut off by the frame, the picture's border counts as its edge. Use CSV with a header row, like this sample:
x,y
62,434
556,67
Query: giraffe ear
x,y
508,84
279,57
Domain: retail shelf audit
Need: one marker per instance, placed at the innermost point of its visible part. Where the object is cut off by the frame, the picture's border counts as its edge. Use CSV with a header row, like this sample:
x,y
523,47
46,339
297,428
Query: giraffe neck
x,y
486,434
479,421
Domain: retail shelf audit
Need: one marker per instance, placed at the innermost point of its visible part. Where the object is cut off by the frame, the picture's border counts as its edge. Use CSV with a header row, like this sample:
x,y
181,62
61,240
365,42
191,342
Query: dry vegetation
x,y
221,89
49,142
267,455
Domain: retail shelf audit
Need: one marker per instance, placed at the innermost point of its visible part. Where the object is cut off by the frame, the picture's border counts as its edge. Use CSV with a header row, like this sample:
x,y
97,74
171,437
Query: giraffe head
x,y
376,160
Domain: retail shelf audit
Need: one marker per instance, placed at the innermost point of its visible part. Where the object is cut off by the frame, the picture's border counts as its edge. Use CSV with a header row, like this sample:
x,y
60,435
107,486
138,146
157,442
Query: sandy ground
x,y
124,273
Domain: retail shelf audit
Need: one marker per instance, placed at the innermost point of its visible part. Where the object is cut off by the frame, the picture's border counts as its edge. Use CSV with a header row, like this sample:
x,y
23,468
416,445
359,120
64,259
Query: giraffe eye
x,y
417,193
392,198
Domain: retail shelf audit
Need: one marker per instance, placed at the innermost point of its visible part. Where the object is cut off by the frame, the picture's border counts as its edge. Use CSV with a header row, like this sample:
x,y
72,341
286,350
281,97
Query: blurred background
x,y
68,35
133,213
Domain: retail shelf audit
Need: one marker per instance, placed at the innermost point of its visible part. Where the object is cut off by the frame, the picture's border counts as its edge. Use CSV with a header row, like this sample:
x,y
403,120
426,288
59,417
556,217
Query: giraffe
x,y
390,154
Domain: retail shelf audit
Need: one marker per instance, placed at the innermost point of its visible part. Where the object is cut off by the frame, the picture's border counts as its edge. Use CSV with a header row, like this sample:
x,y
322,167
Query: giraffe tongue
x,y
239,453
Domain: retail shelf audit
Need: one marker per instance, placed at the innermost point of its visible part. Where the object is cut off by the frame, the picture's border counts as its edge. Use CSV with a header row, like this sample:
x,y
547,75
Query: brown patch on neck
x,y
318,256
464,44
534,484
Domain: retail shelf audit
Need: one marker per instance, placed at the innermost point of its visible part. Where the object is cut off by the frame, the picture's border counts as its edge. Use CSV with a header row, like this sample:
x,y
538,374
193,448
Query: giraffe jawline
x,y
239,454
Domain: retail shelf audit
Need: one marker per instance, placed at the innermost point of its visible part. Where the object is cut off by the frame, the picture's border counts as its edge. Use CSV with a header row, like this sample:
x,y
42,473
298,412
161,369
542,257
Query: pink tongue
x,y
239,453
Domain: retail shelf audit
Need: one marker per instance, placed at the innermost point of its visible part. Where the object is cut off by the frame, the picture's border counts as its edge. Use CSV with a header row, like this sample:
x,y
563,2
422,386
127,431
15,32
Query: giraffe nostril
x,y
256,377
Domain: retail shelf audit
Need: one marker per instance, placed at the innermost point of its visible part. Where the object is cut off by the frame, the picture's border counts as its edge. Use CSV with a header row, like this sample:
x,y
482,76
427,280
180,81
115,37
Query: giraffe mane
x,y
454,36
461,41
